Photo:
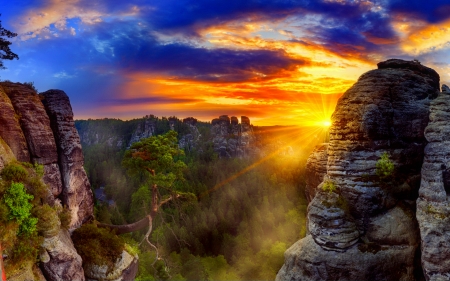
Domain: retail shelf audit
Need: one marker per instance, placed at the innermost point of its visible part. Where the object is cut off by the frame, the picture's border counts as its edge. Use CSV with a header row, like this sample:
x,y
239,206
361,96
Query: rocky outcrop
x,y
433,210
144,129
60,260
35,126
190,140
231,139
46,135
362,226
77,194
125,268
316,169
10,130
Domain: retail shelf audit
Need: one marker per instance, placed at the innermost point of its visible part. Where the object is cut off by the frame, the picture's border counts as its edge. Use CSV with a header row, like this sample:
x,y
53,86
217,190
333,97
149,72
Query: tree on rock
x,y
5,50
154,160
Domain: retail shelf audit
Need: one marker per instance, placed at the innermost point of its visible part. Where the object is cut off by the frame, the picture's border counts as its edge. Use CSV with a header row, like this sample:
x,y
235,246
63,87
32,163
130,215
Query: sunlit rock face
x,y
433,210
231,139
77,194
360,227
35,126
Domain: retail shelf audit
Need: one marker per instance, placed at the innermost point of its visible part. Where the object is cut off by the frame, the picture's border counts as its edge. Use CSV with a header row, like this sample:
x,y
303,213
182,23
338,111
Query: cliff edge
x,y
362,220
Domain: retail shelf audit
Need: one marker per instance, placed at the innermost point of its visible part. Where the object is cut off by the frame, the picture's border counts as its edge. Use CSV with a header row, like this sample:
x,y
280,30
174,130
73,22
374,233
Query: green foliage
x,y
31,86
14,172
329,186
19,207
384,166
6,53
65,217
97,245
49,223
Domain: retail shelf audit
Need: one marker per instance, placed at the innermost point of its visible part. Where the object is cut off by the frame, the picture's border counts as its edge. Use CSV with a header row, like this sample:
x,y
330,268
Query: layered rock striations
x,y
35,126
433,210
77,194
231,139
29,132
362,226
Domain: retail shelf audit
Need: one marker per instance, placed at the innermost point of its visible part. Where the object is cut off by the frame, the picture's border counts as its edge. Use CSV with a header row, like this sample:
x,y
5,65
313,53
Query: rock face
x,y
10,130
316,169
190,140
46,135
144,130
35,126
125,268
60,261
77,194
231,139
433,210
362,226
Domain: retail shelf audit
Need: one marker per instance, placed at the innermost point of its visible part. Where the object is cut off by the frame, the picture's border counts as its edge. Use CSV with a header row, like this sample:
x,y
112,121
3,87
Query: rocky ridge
x,y
40,129
363,226
231,139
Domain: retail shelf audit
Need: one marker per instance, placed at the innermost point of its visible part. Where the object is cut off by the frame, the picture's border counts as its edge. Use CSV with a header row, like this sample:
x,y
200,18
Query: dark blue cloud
x,y
431,11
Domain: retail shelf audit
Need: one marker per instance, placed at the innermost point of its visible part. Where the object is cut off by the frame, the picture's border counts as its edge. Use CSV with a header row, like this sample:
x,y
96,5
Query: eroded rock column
x,y
361,228
433,210
35,126
77,194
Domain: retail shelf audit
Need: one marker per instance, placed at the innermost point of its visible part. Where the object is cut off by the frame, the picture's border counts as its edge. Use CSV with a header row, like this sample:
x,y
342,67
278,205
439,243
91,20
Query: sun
x,y
326,123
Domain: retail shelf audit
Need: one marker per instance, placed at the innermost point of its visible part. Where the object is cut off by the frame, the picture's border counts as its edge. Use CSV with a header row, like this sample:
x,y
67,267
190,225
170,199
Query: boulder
x,y
77,194
60,260
125,268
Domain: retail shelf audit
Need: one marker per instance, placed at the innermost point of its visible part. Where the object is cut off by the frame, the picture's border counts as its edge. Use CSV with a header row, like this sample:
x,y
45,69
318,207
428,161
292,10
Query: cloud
x,y
431,11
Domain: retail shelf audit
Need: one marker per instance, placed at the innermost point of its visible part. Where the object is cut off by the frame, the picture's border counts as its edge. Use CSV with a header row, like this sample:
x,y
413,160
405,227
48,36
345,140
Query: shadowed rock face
x,y
230,138
316,169
35,126
433,210
77,194
362,228
10,129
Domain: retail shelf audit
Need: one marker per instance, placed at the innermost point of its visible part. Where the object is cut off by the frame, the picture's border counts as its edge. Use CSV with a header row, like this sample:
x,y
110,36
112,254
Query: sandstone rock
x,y
433,211
385,111
316,169
445,89
77,194
145,130
10,130
35,125
125,269
64,262
234,120
329,222
6,154
307,261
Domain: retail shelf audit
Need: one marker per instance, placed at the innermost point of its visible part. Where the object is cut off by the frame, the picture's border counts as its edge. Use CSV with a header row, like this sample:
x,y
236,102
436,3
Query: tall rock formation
x,y
433,210
26,135
362,226
231,139
35,126
77,194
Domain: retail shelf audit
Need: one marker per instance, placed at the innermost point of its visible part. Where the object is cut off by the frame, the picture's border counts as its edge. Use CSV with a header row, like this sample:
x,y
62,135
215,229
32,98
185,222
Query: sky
x,y
281,62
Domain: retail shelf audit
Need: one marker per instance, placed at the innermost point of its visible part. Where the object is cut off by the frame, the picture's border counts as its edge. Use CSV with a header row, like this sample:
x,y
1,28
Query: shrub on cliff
x,y
385,167
97,246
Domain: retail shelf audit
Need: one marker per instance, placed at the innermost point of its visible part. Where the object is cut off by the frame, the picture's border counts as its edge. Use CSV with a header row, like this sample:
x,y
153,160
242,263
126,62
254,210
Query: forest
x,y
235,222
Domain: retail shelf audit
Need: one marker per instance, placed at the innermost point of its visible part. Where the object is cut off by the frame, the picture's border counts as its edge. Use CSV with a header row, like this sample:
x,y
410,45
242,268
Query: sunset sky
x,y
282,62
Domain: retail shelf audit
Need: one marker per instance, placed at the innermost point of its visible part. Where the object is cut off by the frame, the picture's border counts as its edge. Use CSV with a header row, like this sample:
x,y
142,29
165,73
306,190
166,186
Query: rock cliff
x,y
230,138
40,129
362,224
